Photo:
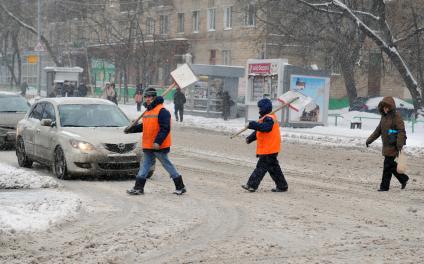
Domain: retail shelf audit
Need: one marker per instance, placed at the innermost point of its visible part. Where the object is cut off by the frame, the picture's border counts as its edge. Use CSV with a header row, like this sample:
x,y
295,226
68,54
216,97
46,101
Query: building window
x,y
127,5
226,57
211,19
212,58
196,21
180,28
150,26
228,17
163,24
249,18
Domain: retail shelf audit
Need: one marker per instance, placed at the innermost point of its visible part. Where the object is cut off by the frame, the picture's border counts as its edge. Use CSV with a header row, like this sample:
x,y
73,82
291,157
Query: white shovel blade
x,y
184,76
298,104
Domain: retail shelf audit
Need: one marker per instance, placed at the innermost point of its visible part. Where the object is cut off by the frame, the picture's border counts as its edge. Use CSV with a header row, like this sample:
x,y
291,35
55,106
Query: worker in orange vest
x,y
156,142
267,135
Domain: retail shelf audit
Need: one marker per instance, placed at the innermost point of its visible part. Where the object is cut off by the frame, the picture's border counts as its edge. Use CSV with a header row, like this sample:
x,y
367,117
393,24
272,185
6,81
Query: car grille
x,y
119,166
120,148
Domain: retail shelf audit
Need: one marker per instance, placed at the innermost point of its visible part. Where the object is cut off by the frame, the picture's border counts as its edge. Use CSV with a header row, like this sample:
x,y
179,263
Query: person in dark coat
x,y
267,134
24,87
82,90
179,101
226,105
156,142
392,131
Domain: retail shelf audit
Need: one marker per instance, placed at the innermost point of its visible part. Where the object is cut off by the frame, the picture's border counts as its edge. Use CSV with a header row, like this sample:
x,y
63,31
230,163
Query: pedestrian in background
x,y
24,87
392,131
226,105
138,98
179,101
156,142
267,134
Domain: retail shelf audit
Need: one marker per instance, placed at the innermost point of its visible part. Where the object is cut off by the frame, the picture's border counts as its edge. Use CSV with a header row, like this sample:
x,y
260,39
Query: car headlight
x,y
81,145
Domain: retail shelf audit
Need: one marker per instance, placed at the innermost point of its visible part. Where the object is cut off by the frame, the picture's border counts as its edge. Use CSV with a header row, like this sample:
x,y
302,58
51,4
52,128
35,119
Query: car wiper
x,y
74,126
12,111
9,127
109,126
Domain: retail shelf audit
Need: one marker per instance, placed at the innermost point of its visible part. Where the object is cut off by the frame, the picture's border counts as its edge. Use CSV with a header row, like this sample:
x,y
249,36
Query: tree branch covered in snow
x,y
417,31
34,31
385,41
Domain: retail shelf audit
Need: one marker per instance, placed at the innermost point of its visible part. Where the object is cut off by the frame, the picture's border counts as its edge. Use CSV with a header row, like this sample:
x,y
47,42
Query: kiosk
x,y
270,78
265,79
58,77
205,98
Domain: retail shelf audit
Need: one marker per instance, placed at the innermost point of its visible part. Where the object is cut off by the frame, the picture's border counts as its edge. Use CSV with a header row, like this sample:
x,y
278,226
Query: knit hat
x,y
150,92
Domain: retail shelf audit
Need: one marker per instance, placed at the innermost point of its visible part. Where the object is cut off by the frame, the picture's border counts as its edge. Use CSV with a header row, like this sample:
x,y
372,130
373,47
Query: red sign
x,y
260,68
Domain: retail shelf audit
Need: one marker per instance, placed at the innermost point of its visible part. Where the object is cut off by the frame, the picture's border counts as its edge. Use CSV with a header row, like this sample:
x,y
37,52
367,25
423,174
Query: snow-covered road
x,y
331,213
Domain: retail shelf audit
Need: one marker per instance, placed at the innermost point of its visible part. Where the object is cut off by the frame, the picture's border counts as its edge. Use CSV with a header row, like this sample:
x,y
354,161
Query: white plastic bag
x,y
401,163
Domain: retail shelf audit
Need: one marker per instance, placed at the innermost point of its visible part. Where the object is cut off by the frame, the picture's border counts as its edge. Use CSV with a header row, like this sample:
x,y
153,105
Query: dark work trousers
x,y
267,163
179,109
138,107
390,166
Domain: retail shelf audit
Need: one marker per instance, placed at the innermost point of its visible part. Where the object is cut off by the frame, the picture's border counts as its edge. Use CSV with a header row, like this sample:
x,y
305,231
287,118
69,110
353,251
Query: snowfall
x,y
32,202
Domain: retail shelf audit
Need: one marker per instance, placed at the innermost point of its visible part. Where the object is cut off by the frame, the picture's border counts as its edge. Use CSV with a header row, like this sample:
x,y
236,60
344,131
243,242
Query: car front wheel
x,y
23,159
60,169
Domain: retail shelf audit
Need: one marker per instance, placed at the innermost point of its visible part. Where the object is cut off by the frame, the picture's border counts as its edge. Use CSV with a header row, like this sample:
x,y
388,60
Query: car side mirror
x,y
46,122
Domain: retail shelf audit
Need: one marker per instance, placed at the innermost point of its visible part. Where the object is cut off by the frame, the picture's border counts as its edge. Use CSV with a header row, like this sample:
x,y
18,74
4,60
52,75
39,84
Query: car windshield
x,y
13,104
92,115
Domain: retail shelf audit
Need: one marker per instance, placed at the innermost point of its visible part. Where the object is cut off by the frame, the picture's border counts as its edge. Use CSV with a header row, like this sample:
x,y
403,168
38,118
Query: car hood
x,y
99,135
10,120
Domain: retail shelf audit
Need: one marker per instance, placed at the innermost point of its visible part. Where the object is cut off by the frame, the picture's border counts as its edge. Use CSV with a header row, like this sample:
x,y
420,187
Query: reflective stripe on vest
x,y
269,142
151,129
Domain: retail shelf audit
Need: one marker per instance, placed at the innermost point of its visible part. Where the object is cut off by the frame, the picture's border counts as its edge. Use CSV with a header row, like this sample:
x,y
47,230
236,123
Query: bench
x,y
354,125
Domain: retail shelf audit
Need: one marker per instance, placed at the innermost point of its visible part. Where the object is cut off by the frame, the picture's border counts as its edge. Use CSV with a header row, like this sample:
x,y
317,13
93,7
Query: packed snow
x,y
36,209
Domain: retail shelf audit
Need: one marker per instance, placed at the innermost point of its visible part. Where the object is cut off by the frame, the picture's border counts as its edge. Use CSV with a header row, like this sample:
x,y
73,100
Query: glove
x,y
367,144
248,141
252,125
127,129
156,146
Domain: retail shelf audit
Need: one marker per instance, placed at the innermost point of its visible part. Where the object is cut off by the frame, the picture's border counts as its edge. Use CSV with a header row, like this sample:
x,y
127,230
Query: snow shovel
x,y
183,76
292,99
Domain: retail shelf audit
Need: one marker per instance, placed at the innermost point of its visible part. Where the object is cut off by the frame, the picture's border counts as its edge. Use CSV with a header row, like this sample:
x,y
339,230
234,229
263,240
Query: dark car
x,y
369,104
12,109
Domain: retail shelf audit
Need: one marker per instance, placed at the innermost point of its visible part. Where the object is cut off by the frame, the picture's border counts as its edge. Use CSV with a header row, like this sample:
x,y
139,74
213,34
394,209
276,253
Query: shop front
x,y
215,94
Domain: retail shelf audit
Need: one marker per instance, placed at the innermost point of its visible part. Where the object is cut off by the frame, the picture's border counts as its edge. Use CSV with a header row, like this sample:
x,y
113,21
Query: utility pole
x,y
38,43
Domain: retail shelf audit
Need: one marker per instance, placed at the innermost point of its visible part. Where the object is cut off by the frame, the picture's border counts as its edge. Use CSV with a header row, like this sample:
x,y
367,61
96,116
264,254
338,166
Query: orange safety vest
x,y
269,142
151,129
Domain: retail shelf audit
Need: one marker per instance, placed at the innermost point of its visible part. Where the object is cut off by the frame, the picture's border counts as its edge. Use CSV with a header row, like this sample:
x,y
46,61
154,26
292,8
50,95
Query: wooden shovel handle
x,y
273,112
163,94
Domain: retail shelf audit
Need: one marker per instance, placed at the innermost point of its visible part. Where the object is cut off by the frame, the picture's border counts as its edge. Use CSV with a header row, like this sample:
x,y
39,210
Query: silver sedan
x,y
77,136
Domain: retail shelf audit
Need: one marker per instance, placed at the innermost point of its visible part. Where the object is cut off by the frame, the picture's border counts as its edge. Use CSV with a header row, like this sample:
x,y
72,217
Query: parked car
x,y
78,136
13,108
370,105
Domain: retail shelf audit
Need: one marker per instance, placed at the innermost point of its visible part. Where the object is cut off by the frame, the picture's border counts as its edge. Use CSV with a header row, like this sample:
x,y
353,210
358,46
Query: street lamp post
x,y
38,52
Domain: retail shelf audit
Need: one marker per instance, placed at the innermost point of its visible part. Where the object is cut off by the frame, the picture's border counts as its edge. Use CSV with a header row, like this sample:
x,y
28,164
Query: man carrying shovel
x,y
156,142
156,128
267,134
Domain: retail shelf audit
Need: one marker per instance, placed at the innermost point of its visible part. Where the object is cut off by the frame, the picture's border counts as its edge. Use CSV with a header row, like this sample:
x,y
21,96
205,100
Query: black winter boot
x,y
138,187
179,186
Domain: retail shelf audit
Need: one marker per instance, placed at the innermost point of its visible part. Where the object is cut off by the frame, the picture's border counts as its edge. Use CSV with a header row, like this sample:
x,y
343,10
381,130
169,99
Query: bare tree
x,y
307,33
378,29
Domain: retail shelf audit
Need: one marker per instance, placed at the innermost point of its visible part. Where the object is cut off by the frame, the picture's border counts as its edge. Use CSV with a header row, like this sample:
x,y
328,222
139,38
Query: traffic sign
x,y
32,59
39,47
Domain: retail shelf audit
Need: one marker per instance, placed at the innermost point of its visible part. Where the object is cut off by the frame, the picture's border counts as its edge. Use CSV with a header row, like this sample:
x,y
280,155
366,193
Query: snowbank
x,y
17,178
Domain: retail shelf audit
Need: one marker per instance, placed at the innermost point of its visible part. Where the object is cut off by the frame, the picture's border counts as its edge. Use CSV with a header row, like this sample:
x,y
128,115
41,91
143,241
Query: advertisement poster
x,y
314,87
